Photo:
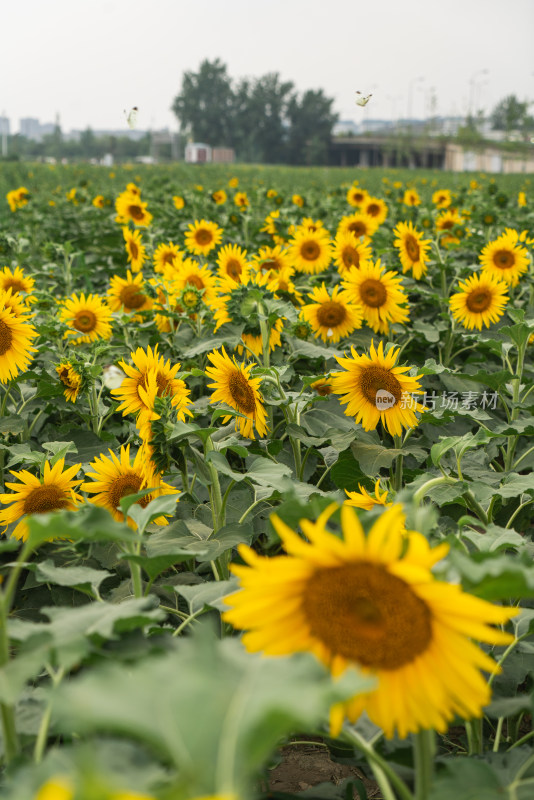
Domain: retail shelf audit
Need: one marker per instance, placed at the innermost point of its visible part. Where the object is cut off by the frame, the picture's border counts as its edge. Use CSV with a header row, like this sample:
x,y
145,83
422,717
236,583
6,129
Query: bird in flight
x,y
362,100
131,117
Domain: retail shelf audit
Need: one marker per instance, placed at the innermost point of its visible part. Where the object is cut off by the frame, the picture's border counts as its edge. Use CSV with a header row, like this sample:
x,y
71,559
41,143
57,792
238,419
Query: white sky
x,y
89,59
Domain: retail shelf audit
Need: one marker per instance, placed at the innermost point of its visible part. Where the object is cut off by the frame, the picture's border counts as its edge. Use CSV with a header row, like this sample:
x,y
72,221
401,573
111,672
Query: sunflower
x,y
117,477
99,201
127,295
178,202
323,386
442,198
271,259
18,198
219,197
375,389
130,207
281,285
379,293
413,249
504,258
202,237
33,495
270,223
480,301
135,248
309,224
232,262
447,221
167,255
297,200
241,200
89,316
234,386
332,317
359,224
14,302
189,273
310,251
356,196
372,601
349,251
364,500
71,379
132,391
17,281
411,198
375,208
16,335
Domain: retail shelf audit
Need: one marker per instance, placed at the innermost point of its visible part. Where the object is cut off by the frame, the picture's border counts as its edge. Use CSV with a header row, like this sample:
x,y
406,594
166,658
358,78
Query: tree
x,y
204,105
511,114
311,120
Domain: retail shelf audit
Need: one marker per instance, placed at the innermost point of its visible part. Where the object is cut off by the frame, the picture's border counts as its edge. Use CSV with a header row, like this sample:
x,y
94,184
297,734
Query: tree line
x,y
264,119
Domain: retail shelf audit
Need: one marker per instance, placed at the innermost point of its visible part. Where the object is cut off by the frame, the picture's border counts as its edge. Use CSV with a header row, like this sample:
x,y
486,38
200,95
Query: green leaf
x,y
373,457
494,539
210,708
59,450
495,577
207,594
163,505
514,485
467,779
88,522
47,572
11,424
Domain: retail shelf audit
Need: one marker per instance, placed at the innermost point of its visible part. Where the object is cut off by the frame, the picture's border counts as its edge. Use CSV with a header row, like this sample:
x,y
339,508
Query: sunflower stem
x,y
397,476
424,750
429,485
384,774
516,384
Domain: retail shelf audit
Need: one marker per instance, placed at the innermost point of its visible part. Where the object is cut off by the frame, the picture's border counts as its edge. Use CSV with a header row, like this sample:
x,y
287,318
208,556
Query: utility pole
x,y
4,135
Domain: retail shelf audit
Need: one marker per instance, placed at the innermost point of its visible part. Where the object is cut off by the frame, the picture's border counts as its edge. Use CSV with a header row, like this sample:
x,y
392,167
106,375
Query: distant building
x,y
4,126
30,128
345,127
197,153
223,155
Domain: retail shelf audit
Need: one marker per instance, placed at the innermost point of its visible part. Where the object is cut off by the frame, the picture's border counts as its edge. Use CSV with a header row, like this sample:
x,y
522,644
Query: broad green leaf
x,y
495,577
494,538
88,522
466,779
47,572
163,505
373,457
207,594
514,485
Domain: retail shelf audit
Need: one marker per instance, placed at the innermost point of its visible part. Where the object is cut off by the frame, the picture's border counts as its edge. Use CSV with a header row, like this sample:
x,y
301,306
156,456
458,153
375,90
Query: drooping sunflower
x,y
359,224
281,285
372,601
234,386
253,339
480,301
379,293
167,255
132,391
504,258
71,379
363,499
310,251
89,316
16,280
117,477
323,386
375,389
135,248
413,249
16,336
356,196
411,198
232,262
349,251
442,198
376,208
127,295
332,317
33,495
130,208
202,237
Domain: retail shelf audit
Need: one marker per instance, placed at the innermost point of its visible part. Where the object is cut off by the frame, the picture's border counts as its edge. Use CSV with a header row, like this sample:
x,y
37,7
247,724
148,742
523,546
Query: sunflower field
x,y
266,454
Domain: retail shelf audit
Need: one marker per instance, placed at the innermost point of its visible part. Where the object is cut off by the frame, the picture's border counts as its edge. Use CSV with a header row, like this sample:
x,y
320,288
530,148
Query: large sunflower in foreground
x,y
202,237
504,258
310,251
349,251
379,293
375,389
33,495
135,248
16,336
89,316
480,302
413,249
234,386
127,295
371,601
332,317
117,477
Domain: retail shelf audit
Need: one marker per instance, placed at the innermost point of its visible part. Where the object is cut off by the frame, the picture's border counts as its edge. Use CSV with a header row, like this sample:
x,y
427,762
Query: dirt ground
x,y
304,766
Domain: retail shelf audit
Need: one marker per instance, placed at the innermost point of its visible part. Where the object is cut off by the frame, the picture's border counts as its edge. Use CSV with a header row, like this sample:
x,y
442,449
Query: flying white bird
x,y
362,100
131,117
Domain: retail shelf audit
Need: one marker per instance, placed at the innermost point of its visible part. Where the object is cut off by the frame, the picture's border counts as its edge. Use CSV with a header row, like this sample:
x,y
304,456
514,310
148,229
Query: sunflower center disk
x,y
13,284
234,268
85,321
503,259
359,228
163,384
310,251
373,293
123,486
194,280
169,258
131,297
374,379
267,266
134,250
373,210
331,314
6,338
45,498
351,257
412,248
365,614
203,236
479,300
242,393
136,212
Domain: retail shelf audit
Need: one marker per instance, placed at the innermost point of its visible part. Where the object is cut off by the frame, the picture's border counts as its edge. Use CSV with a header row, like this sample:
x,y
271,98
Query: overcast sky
x,y
88,60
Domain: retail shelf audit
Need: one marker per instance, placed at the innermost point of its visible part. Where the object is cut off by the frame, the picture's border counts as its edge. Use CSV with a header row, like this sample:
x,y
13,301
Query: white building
x,y
197,153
